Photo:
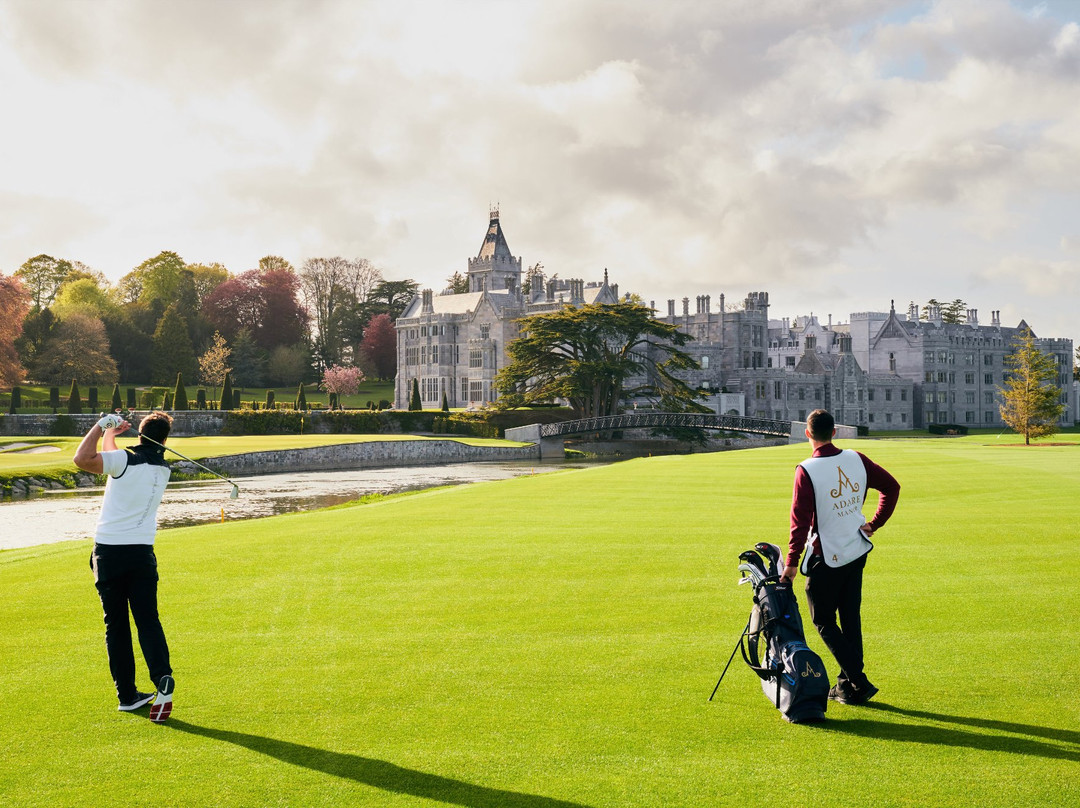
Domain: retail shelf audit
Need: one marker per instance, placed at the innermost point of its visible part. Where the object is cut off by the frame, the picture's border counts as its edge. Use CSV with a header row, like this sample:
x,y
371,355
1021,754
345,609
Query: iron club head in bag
x,y
751,557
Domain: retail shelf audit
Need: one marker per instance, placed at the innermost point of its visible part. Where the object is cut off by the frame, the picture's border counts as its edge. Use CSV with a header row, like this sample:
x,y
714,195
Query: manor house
x,y
454,344
884,370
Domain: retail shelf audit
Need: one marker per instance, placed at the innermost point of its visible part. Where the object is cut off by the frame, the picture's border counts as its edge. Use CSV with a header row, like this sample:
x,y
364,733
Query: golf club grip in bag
x,y
792,676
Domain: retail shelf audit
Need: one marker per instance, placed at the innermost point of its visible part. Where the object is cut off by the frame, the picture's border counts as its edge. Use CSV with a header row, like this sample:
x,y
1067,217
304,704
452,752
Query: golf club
x,y
771,552
234,494
752,558
755,573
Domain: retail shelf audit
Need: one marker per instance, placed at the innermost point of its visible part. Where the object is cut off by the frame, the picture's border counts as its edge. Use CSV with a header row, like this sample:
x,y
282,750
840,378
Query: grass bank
x,y
552,640
57,464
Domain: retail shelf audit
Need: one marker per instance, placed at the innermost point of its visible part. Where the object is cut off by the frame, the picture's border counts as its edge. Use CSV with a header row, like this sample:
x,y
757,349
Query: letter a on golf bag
x,y
792,676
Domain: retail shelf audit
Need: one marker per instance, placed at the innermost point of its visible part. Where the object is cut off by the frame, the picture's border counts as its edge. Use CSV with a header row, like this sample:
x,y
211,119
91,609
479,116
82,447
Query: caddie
x,y
827,521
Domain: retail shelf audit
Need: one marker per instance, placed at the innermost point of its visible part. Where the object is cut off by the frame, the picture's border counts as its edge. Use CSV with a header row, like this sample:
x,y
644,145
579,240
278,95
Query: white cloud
x,y
883,150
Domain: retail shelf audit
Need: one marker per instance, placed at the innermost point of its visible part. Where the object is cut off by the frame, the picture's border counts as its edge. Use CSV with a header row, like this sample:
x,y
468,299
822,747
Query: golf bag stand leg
x,y
728,665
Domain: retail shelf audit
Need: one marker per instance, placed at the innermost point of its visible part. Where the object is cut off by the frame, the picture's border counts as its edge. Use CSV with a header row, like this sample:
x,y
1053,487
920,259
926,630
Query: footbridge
x,y
549,437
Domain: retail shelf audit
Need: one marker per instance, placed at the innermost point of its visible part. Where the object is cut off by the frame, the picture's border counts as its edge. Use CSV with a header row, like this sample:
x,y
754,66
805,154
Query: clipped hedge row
x,y
947,429
456,425
494,423
359,422
263,422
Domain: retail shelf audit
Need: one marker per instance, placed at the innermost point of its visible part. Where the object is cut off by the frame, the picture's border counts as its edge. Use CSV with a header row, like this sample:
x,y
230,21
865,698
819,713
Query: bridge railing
x,y
693,420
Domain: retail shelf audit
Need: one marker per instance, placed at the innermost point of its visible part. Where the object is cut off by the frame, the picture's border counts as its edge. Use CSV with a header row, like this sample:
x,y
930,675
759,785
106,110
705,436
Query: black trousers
x,y
126,577
836,592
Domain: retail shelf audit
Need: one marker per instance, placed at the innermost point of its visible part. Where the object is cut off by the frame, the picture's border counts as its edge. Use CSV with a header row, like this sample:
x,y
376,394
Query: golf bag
x,y
773,644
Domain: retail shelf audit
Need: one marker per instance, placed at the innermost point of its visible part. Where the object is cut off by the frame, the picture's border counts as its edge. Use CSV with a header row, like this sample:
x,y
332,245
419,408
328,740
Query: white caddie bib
x,y
839,491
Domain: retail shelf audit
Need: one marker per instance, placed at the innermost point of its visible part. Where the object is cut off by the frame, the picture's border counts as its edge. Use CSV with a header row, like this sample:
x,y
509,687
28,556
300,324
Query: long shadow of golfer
x,y
945,736
378,773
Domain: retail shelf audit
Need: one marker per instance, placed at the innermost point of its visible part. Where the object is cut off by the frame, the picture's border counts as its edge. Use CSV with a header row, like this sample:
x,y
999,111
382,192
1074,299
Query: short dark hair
x,y
821,425
156,426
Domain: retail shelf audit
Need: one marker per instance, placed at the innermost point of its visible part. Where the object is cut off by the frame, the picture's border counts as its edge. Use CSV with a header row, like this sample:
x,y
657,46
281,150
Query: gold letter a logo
x,y
843,482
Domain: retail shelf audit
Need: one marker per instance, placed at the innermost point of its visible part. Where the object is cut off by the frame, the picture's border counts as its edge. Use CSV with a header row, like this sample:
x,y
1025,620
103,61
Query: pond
x,y
56,516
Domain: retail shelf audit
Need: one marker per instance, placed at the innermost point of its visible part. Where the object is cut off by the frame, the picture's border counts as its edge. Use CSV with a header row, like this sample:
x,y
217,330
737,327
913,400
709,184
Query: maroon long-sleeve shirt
x,y
804,511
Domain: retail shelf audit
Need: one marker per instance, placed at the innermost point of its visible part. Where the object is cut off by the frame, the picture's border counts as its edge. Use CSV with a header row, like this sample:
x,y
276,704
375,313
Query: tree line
x,y
272,325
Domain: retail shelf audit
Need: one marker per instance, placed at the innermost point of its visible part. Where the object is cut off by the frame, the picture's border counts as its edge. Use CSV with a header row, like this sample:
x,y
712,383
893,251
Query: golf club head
x,y
751,573
772,553
751,557
235,493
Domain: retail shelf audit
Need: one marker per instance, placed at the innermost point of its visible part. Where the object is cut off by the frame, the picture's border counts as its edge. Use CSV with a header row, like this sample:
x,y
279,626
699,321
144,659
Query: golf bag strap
x,y
764,673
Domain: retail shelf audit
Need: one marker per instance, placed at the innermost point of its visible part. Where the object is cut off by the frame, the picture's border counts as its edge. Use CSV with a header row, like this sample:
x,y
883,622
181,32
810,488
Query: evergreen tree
x,y
116,404
414,400
590,356
171,351
180,400
1031,402
445,403
301,399
92,399
226,393
248,360
16,399
74,402
457,283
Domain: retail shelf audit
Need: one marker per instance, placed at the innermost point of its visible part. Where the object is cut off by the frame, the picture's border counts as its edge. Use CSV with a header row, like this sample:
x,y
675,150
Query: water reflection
x,y
65,515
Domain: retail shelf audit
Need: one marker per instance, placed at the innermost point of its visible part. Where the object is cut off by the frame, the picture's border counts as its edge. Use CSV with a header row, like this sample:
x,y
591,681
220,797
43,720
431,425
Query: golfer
x,y
826,514
123,560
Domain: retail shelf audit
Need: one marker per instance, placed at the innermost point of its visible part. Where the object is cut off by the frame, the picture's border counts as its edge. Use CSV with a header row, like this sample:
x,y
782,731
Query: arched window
x,y
704,363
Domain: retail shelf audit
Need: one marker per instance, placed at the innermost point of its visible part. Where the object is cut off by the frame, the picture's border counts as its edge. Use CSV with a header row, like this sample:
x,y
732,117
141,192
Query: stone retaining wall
x,y
373,454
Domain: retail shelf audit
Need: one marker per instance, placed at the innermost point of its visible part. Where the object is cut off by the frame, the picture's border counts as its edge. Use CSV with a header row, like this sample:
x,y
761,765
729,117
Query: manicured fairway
x,y
552,641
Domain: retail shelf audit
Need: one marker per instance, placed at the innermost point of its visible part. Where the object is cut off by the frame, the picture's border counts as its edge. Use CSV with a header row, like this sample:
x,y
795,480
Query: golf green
x,y
552,640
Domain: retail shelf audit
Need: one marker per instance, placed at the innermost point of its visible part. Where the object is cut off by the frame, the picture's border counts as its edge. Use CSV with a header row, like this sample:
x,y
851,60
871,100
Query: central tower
x,y
494,268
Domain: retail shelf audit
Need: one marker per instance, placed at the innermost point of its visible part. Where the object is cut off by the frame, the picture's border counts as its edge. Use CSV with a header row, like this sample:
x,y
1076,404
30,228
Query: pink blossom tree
x,y
342,381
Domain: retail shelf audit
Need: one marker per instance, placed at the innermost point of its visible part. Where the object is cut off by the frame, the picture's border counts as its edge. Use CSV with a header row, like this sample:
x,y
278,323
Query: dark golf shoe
x,y
137,702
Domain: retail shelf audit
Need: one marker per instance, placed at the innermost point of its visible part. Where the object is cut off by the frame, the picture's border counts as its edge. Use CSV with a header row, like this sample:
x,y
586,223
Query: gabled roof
x,y
494,245
894,328
810,362
460,304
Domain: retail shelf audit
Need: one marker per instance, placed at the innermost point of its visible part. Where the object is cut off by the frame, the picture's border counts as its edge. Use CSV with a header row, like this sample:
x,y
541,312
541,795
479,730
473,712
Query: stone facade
x,y
455,344
953,372
882,370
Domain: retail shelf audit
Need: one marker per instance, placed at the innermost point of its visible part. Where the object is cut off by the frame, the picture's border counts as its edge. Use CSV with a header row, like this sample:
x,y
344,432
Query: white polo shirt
x,y
137,478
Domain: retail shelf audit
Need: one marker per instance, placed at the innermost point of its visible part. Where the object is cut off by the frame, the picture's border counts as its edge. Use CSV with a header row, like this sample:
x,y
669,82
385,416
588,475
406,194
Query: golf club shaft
x,y
188,459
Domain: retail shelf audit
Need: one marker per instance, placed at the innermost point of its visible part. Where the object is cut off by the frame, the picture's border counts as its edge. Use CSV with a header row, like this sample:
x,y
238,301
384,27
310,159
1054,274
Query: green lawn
x,y
14,463
552,640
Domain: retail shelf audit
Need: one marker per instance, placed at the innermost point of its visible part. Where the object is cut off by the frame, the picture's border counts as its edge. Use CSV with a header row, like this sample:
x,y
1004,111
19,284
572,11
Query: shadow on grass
x,y
378,773
946,736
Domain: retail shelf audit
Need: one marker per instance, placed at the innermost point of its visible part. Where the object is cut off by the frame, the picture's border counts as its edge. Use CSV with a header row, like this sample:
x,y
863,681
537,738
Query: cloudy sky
x,y
837,154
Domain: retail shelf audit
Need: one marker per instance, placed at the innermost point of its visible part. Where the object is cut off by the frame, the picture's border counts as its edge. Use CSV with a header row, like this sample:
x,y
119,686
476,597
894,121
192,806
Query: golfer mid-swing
x,y
826,512
123,560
